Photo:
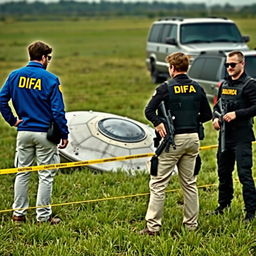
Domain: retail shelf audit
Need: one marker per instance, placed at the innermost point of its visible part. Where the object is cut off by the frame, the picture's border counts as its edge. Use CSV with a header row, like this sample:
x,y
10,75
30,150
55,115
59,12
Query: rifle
x,y
169,126
167,140
223,110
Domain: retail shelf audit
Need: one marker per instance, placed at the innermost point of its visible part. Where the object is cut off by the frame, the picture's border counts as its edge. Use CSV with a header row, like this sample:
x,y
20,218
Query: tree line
x,y
69,8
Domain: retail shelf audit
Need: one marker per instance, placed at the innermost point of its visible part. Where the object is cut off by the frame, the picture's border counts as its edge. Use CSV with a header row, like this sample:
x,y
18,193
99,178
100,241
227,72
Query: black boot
x,y
219,210
249,217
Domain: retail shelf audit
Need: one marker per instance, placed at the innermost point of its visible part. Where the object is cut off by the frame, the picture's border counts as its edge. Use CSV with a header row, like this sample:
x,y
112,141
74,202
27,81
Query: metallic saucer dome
x,y
121,130
97,135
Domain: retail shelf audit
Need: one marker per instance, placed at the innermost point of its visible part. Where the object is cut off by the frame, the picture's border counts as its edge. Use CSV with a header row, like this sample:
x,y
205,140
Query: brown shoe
x,y
18,219
146,231
54,221
51,220
190,228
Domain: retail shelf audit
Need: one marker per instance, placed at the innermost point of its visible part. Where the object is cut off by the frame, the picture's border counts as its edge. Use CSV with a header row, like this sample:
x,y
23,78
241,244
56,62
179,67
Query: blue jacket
x,y
36,97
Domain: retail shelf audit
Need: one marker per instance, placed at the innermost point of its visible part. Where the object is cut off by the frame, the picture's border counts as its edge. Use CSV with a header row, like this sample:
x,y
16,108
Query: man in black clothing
x,y
238,97
188,104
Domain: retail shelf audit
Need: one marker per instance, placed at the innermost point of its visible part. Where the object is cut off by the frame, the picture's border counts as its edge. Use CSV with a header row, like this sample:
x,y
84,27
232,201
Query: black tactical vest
x,y
232,99
232,95
184,104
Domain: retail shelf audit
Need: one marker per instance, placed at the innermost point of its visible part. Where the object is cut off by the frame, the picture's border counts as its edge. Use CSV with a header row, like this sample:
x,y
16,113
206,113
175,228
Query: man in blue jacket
x,y
37,99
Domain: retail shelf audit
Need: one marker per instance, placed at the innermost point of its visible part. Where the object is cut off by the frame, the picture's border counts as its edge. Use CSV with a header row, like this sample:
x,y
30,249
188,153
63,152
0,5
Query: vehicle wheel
x,y
155,78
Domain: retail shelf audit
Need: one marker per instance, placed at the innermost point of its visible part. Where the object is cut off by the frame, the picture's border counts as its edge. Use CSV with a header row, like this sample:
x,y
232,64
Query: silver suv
x,y
190,36
209,71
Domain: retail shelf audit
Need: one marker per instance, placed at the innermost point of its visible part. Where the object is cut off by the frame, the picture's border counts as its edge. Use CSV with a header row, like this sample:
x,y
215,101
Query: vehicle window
x,y
223,73
209,32
173,32
211,68
196,68
165,32
155,32
250,64
168,30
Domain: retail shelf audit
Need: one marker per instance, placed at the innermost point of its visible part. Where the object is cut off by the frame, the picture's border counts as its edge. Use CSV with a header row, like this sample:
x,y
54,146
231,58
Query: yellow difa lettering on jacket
x,y
229,91
184,89
30,83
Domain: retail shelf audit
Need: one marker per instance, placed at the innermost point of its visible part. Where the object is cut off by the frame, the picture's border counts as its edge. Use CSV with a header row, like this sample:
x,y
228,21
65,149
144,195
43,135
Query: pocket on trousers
x,y
195,145
16,160
56,158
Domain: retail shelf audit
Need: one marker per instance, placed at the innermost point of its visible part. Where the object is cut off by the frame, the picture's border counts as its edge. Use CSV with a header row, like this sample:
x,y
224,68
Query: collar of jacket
x,y
180,76
237,81
35,64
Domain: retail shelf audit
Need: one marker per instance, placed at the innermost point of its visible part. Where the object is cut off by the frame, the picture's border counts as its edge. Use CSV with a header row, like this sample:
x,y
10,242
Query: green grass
x,y
101,64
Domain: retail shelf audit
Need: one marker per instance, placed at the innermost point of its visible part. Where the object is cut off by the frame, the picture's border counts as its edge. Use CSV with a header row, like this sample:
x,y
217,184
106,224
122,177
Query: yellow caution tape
x,y
214,146
84,163
97,200
103,199
100,199
72,164
208,147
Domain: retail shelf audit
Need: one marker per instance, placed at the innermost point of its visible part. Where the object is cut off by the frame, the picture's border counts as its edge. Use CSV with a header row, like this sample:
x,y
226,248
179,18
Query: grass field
x,y
101,64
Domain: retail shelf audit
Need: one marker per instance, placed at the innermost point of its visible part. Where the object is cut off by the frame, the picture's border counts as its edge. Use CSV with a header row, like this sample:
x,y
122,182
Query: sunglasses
x,y
49,57
231,64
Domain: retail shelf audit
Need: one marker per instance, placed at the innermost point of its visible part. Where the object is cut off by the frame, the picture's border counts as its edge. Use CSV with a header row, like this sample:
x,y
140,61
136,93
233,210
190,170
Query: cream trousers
x,y
184,156
31,148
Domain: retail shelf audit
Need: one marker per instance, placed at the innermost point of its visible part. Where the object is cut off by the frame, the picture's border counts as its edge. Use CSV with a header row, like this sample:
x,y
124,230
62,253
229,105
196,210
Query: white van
x,y
191,36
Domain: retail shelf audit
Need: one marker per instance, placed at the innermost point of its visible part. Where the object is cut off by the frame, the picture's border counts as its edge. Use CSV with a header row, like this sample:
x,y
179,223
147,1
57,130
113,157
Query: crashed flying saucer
x,y
98,135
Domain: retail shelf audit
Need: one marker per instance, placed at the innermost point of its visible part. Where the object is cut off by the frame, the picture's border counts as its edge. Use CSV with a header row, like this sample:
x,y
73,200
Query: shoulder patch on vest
x,y
229,91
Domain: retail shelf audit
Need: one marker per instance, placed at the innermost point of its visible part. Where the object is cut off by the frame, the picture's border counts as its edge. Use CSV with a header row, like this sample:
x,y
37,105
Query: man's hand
x,y
161,130
216,123
229,116
18,122
63,143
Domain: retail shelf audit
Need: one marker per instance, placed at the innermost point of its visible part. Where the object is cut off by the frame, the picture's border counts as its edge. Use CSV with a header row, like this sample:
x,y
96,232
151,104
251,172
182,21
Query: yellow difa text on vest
x,y
184,89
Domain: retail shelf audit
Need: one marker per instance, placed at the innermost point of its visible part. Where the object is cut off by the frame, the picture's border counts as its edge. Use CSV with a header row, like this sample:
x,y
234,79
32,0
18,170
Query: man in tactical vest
x,y
188,106
237,102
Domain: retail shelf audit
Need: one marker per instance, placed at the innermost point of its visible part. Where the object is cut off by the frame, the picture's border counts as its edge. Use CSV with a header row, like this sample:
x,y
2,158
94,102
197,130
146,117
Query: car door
x,y
207,71
168,31
153,42
250,64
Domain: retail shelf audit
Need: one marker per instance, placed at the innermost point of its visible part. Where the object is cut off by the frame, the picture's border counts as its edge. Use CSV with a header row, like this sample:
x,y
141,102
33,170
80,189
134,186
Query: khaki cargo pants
x,y
184,156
